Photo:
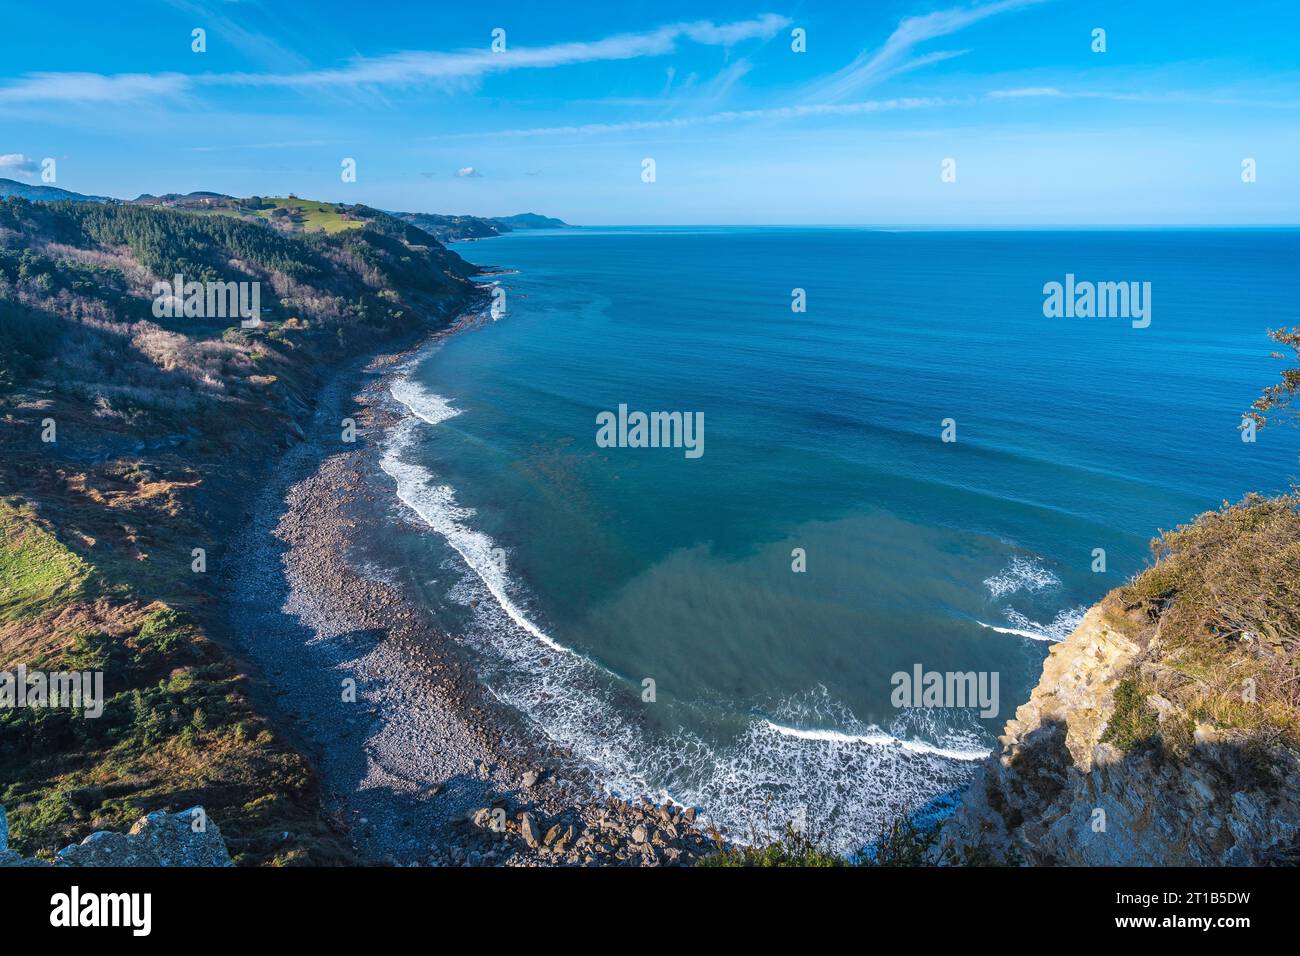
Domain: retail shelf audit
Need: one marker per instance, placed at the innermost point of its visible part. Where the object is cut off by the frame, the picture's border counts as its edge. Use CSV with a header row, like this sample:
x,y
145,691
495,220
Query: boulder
x,y
187,838
159,839
528,827
105,848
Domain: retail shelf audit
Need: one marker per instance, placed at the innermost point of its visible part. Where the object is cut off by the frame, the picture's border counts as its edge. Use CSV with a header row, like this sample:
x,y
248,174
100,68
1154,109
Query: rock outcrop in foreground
x,y
187,838
617,833
1061,790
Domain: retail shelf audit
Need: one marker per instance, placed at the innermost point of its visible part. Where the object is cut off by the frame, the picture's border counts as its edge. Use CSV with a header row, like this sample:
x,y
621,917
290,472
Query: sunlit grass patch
x,y
36,571
310,214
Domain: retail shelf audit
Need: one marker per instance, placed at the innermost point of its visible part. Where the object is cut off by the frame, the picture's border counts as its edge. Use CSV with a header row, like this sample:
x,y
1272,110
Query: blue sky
x,y
742,129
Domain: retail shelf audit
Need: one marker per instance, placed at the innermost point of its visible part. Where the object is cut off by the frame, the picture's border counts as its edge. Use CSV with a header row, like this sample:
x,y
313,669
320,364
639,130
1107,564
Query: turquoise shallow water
x,y
577,572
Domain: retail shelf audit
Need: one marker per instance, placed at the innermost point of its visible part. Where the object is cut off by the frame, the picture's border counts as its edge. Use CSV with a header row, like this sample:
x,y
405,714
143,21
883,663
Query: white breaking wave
x,y
844,784
1032,635
1022,574
1061,627
879,739
424,404
436,504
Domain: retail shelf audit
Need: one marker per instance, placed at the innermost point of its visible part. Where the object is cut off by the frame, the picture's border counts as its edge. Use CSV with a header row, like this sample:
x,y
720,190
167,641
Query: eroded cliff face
x,y
1059,791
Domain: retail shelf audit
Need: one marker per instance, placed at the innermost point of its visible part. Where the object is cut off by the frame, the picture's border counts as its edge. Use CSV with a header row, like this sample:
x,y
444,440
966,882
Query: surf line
x,y
413,479
1019,633
413,482
878,740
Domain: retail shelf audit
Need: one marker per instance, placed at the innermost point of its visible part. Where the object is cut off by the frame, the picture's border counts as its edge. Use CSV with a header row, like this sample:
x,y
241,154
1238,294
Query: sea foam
x,y
425,405
1021,574
810,761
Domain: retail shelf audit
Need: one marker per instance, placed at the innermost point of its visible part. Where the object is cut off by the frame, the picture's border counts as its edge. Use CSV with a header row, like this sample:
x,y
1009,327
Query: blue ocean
x,y
725,629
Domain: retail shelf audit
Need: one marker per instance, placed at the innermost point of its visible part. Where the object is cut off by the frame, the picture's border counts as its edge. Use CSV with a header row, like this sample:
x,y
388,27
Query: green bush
x,y
792,848
1133,726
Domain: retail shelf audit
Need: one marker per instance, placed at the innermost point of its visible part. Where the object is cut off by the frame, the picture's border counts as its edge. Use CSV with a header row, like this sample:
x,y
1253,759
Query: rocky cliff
x,y
187,838
1111,763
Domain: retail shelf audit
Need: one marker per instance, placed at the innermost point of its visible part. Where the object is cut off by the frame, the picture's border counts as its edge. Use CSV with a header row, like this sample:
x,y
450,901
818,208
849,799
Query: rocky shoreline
x,y
420,765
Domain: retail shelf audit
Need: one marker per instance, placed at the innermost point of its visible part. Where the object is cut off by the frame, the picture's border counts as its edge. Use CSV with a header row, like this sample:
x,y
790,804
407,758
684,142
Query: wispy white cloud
x,y
92,87
717,89
896,54
414,67
848,109
406,68
1052,92
1025,91
282,144
219,21
731,116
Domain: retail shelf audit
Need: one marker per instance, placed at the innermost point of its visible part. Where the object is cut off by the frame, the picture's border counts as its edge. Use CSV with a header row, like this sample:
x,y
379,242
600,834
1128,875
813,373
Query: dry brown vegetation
x,y
1220,614
162,426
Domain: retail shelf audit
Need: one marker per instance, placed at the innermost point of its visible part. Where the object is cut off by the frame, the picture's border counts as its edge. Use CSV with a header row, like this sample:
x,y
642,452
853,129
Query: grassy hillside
x,y
307,214
287,213
162,427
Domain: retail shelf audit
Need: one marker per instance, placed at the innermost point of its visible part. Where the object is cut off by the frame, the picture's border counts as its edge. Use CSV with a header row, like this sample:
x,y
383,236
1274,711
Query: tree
x,y
1279,401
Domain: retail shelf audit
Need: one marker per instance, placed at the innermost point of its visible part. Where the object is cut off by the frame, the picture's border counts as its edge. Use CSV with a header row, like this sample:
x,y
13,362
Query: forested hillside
x,y
128,440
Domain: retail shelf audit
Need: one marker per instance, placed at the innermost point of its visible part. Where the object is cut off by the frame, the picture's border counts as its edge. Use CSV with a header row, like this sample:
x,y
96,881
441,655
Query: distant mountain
x,y
183,200
531,220
452,228
11,187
